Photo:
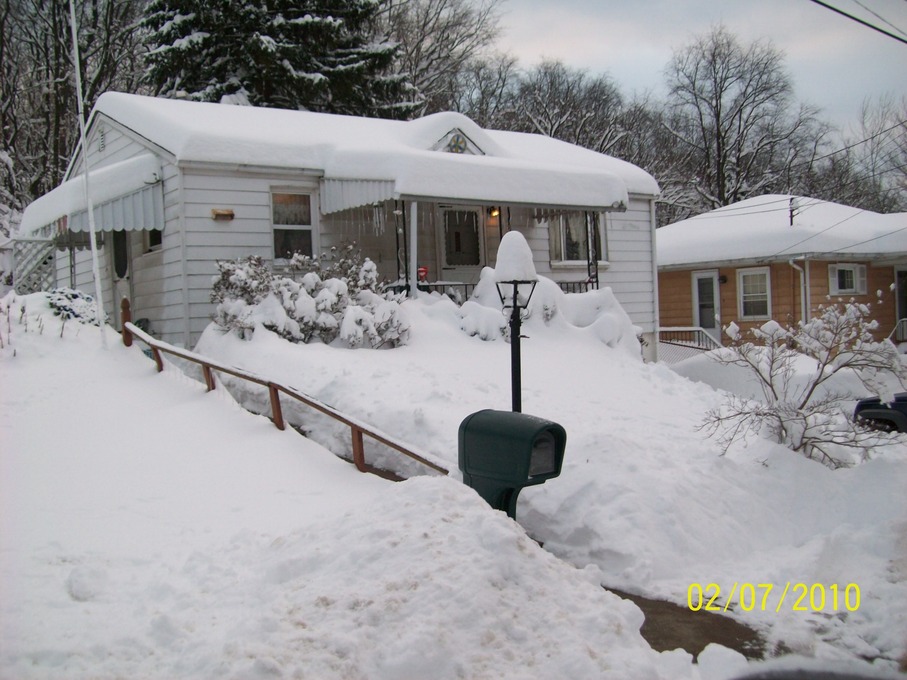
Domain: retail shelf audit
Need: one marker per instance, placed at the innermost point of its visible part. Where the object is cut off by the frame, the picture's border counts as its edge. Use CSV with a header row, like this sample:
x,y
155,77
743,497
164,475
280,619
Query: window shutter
x,y
861,279
832,279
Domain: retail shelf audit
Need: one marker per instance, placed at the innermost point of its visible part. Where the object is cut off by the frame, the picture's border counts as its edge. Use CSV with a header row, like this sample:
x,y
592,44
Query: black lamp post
x,y
515,294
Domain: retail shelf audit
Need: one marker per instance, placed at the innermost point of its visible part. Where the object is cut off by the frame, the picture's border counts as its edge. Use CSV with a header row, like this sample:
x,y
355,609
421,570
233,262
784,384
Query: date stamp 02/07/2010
x,y
797,597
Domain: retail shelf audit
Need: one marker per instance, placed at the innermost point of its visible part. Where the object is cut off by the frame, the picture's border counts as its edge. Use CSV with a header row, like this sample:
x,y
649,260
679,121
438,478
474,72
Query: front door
x,y
462,244
707,303
121,271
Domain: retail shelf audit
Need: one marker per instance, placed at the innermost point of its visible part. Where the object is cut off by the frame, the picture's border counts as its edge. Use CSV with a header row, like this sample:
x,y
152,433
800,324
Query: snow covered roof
x,y
359,160
759,229
508,166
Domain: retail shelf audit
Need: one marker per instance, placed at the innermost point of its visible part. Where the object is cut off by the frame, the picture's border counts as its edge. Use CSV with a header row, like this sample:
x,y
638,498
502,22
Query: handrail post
x,y
276,412
156,353
209,377
126,317
358,449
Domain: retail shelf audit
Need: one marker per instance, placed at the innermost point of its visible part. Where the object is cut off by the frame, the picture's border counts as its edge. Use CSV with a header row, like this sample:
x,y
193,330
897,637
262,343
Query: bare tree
x,y
798,408
570,105
39,106
437,40
738,116
486,91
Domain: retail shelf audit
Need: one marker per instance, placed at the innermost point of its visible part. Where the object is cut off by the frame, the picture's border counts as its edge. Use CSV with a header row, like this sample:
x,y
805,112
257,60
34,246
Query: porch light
x,y
494,211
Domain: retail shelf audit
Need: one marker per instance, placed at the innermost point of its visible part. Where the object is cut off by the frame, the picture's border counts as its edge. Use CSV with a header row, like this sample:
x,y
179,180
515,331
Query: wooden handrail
x,y
357,428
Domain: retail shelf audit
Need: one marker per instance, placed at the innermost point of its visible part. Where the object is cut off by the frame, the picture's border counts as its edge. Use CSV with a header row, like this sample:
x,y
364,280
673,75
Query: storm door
x,y
122,270
707,303
901,292
462,245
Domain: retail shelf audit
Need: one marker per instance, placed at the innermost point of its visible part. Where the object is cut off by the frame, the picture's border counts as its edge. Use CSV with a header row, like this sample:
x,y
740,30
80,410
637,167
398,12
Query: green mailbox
x,y
500,452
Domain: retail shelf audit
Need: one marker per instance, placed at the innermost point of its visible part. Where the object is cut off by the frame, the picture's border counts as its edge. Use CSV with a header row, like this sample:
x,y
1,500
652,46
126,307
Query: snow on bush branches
x,y
335,299
793,366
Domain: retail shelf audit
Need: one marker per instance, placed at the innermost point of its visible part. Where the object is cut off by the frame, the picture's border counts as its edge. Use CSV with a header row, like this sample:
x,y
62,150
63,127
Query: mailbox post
x,y
500,452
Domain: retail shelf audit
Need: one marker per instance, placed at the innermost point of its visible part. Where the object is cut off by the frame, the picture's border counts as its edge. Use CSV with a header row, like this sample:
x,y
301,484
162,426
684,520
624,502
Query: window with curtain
x,y
291,216
568,237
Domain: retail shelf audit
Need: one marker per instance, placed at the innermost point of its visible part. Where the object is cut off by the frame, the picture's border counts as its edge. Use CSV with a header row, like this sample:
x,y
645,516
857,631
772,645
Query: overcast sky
x,y
835,62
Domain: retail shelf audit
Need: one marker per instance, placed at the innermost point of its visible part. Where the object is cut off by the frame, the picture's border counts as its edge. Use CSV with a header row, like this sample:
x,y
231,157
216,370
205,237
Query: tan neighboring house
x,y
780,257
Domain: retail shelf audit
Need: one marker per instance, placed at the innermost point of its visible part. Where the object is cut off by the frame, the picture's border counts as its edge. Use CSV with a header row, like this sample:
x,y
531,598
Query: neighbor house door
x,y
462,244
901,293
707,303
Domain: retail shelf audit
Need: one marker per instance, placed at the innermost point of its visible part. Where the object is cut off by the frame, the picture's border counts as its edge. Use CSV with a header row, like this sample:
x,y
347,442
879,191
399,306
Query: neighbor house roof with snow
x,y
760,230
364,160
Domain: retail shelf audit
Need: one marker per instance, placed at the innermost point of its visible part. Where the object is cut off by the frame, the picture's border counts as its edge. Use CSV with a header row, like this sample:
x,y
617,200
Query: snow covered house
x,y
779,257
179,185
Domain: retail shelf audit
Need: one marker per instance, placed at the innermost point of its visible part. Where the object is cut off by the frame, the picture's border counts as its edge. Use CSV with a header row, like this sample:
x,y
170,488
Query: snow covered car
x,y
890,416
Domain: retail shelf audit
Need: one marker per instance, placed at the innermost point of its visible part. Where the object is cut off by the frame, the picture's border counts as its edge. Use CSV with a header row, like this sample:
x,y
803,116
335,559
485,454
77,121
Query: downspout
x,y
184,259
803,289
414,249
653,354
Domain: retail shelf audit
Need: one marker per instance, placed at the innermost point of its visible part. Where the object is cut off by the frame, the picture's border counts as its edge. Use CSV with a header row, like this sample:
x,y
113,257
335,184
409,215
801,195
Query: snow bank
x,y
596,313
152,530
644,495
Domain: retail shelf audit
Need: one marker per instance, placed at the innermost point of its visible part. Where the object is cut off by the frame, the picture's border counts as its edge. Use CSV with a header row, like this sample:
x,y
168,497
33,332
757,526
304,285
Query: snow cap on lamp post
x,y
514,272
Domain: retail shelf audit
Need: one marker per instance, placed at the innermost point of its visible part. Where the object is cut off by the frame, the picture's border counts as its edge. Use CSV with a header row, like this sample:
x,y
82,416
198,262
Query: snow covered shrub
x,y
794,367
71,304
331,300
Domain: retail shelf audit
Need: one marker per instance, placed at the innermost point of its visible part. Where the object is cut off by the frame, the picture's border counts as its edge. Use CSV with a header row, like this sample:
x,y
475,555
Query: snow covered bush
x,y
794,367
336,299
71,304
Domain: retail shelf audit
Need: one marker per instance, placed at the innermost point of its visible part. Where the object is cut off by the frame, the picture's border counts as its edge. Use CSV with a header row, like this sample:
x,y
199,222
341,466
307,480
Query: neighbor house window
x,y
569,237
291,215
754,293
847,279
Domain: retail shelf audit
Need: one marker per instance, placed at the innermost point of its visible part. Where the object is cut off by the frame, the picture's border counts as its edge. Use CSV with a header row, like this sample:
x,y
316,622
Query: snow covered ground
x,y
148,529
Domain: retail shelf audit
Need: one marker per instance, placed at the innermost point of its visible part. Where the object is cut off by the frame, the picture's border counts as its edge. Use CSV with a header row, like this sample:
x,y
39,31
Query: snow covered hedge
x,y
800,370
334,300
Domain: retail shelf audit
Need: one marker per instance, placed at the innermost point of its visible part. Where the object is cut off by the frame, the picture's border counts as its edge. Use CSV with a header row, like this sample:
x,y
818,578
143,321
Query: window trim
x,y
767,273
312,227
859,278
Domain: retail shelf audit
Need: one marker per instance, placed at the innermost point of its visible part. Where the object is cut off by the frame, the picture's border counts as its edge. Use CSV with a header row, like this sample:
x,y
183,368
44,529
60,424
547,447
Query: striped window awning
x,y
126,196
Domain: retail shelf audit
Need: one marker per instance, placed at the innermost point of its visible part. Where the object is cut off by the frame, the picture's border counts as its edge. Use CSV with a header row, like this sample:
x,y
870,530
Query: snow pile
x,y
596,313
150,529
182,537
644,494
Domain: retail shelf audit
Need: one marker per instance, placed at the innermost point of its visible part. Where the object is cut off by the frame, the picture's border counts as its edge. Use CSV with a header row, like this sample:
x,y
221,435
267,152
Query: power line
x,y
859,211
880,17
850,146
869,240
861,21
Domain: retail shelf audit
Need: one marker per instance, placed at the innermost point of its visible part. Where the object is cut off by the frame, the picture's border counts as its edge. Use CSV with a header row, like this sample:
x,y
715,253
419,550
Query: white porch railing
x,y
33,269
899,333
677,343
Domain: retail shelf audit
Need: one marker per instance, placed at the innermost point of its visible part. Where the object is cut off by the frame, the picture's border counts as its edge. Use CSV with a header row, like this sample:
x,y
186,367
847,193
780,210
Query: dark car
x,y
889,416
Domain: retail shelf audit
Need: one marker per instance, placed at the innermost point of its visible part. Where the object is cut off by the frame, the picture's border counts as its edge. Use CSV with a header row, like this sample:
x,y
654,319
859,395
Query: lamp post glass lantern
x,y
515,295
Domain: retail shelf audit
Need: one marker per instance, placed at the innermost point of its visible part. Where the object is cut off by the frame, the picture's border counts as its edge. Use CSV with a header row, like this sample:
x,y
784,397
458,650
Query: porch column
x,y
413,249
